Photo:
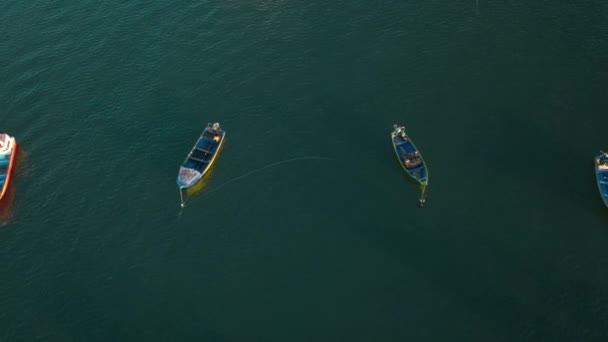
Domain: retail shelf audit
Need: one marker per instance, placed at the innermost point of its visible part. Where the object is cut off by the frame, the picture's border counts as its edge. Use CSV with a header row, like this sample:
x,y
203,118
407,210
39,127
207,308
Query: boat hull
x,y
201,157
7,162
404,148
601,176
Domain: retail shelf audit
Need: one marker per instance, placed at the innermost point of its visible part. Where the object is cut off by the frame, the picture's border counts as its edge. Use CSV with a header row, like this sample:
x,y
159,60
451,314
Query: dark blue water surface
x,y
307,228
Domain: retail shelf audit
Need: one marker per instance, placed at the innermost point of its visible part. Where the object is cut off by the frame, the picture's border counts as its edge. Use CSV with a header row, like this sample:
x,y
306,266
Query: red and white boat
x,y
8,150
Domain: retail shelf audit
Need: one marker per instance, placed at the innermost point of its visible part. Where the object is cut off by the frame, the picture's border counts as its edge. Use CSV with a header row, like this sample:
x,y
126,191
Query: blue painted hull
x,y
409,156
601,175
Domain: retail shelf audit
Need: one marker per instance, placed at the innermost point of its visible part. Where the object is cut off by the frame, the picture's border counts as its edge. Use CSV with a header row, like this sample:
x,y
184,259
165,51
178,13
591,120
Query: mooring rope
x,y
251,172
422,199
181,197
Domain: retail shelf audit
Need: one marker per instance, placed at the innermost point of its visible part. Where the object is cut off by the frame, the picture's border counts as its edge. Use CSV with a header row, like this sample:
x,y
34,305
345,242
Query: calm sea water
x,y
307,228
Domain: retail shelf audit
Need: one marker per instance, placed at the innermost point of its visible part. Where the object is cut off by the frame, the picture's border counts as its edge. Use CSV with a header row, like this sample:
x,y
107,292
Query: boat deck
x,y
187,175
200,157
602,177
407,152
202,153
4,164
410,158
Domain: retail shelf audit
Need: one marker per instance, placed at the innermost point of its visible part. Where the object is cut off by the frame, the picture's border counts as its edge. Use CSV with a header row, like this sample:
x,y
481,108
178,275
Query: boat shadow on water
x,y
199,186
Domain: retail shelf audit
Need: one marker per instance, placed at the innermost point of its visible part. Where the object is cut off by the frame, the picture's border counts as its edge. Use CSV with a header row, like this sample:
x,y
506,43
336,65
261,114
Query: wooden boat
x,y
201,157
8,151
601,174
410,158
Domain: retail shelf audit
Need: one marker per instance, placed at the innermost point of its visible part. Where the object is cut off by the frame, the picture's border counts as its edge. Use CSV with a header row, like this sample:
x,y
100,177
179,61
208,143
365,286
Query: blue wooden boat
x,y
601,173
410,158
201,157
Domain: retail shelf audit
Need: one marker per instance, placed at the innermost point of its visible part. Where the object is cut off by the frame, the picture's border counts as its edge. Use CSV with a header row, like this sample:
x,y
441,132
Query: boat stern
x,y
187,177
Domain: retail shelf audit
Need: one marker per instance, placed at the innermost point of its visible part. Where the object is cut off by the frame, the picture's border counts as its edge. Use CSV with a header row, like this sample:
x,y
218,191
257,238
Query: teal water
x,y
307,228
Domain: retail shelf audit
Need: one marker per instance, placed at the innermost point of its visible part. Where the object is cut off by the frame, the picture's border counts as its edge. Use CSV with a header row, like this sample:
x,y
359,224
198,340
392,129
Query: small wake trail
x,y
254,171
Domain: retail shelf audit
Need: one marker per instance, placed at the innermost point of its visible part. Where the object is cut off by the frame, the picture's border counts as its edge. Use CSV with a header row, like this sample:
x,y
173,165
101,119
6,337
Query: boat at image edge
x,y
601,174
409,156
8,150
201,157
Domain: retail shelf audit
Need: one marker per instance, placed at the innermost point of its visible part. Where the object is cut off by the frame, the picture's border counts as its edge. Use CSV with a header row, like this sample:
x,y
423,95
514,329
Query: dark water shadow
x,y
498,288
526,151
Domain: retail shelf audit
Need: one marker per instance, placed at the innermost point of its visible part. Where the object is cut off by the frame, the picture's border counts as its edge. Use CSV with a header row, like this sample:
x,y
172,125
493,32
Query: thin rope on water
x,y
181,198
249,173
